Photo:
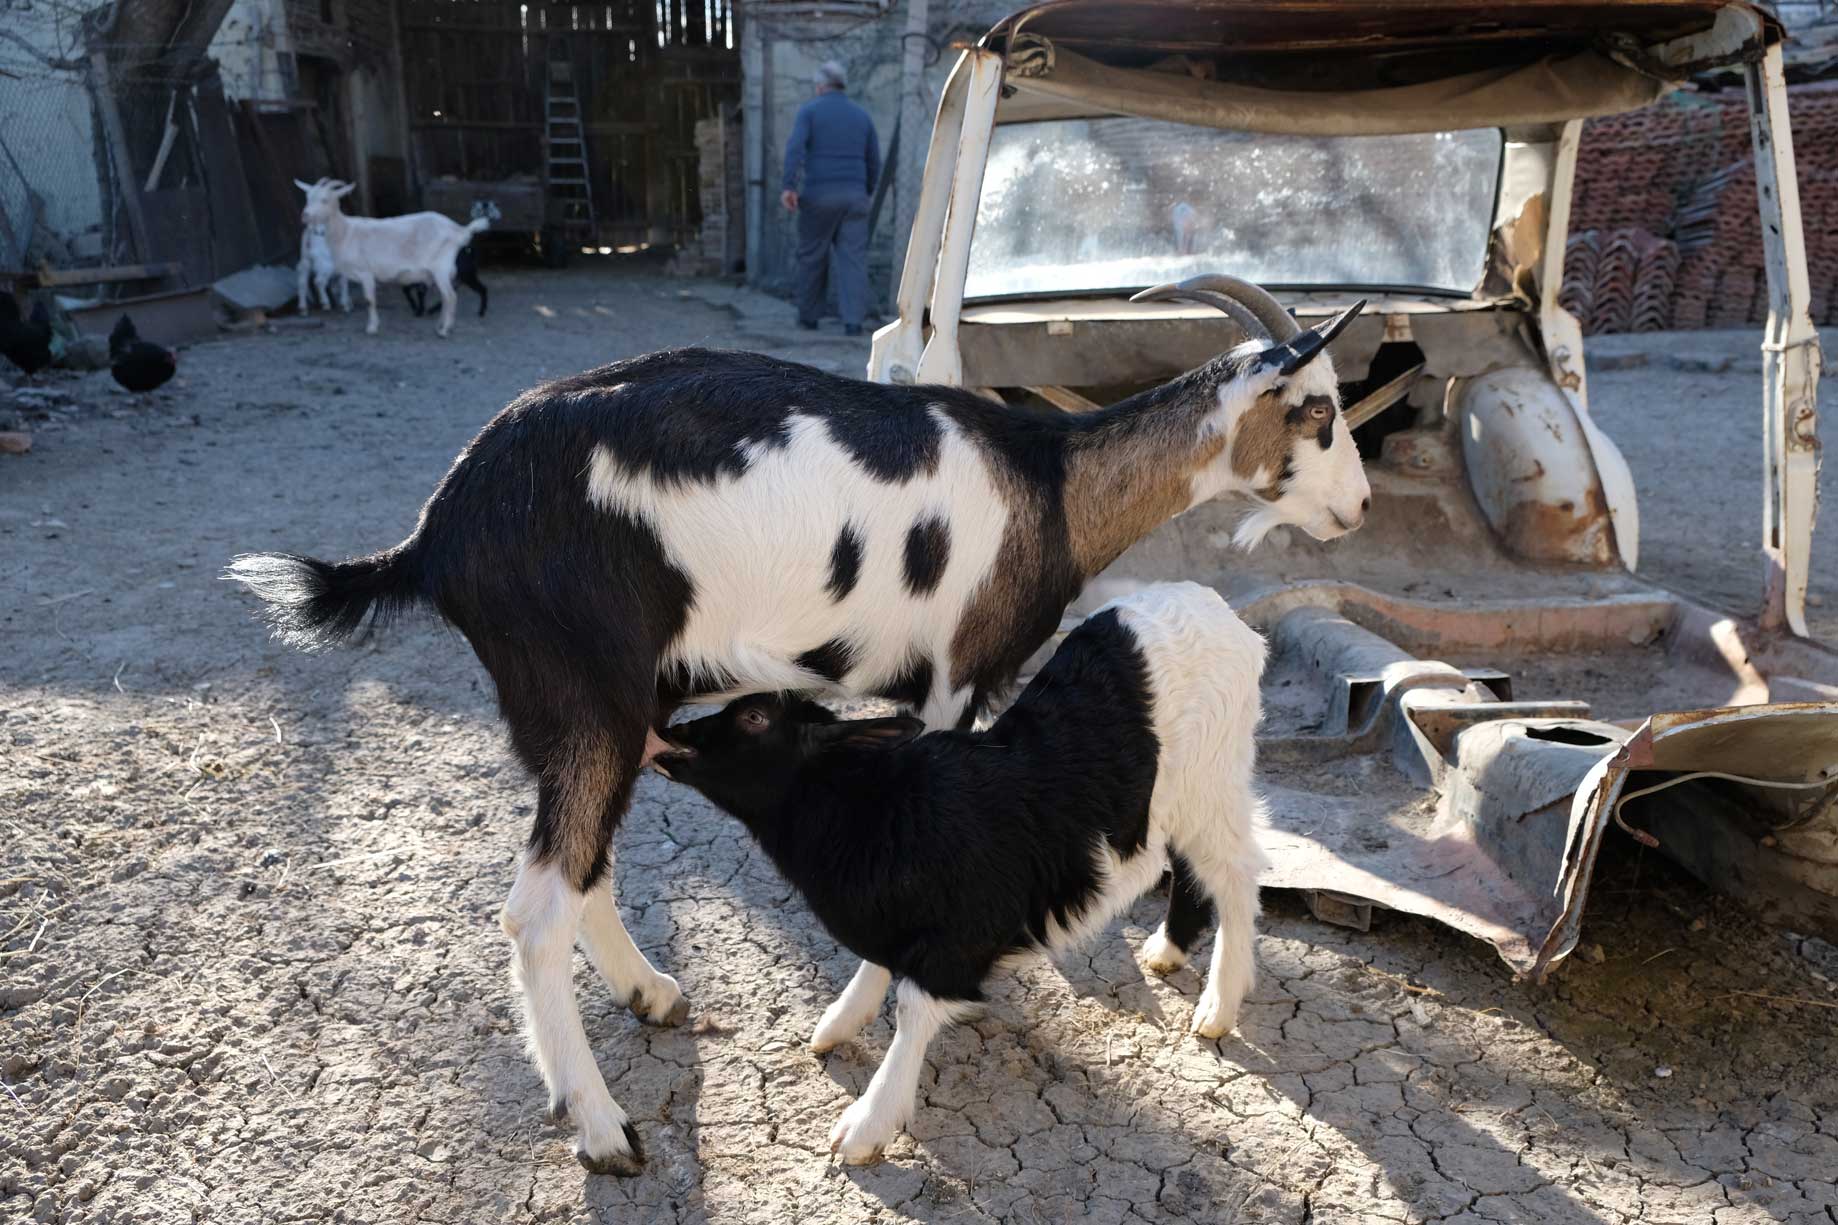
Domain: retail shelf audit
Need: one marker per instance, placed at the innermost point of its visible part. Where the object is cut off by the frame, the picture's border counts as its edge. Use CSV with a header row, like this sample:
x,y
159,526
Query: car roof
x,y
1363,66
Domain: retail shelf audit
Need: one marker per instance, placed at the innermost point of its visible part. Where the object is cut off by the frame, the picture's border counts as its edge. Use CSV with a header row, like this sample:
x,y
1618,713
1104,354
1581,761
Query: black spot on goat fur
x,y
686,415
910,687
938,856
928,550
831,661
845,563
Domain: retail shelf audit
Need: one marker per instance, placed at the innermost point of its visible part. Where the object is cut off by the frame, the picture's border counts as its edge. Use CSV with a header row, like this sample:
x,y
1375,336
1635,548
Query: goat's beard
x,y
1252,529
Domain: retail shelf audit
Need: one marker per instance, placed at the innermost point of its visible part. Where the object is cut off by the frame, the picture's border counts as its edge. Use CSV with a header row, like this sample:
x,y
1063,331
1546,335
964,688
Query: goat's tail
x,y
478,225
314,604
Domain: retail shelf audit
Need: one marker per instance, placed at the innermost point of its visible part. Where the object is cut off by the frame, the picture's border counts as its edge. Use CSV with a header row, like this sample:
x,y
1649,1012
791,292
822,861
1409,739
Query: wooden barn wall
x,y
476,72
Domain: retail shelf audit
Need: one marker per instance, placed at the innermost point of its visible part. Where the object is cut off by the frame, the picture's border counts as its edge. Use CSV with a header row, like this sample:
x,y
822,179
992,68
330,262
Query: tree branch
x,y
49,61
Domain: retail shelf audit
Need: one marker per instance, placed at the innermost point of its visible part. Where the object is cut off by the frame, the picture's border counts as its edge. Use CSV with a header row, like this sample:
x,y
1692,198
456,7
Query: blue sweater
x,y
833,144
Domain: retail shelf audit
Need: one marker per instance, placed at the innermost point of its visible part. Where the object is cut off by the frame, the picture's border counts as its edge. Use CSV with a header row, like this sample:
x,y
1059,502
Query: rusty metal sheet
x,y
1428,789
1531,469
1785,866
1481,856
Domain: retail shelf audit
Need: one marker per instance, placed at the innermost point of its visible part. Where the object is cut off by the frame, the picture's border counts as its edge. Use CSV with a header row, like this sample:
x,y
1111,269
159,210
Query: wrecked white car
x,y
1431,744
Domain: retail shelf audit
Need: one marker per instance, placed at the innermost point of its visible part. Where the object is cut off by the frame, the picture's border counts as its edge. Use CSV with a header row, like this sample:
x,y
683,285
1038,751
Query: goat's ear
x,y
344,191
305,187
1311,343
865,733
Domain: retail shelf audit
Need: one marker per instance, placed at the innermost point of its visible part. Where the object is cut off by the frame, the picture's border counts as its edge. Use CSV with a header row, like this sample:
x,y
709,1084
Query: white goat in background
x,y
410,249
317,270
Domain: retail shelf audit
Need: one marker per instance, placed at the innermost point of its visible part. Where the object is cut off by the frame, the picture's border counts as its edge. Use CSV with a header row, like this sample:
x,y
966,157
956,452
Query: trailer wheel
x,y
555,250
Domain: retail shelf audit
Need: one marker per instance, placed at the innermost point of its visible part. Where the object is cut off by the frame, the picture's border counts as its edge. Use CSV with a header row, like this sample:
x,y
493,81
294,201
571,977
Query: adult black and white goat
x,y
696,524
415,248
943,856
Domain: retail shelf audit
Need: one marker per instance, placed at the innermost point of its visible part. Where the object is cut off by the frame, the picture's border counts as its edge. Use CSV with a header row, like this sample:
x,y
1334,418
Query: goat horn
x,y
1238,312
1278,322
1297,353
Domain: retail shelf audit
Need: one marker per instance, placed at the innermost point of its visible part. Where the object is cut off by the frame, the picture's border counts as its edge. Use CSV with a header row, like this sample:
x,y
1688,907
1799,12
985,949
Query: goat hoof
x,y
628,1164
1212,1018
1162,955
833,1032
858,1138
663,1004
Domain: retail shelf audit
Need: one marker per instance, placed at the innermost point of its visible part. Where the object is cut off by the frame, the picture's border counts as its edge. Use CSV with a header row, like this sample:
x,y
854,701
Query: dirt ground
x,y
250,968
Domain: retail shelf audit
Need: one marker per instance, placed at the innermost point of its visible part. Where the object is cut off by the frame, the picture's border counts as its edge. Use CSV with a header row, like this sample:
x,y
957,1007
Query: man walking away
x,y
834,147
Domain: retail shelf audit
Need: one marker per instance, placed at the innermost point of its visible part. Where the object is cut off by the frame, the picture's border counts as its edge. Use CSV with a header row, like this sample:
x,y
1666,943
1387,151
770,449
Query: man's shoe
x,y
851,329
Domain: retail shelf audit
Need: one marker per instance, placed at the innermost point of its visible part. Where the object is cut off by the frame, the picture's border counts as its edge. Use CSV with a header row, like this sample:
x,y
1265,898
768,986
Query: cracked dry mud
x,y
251,969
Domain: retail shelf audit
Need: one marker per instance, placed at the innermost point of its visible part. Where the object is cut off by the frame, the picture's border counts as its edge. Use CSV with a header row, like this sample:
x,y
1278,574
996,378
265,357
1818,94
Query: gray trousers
x,y
833,238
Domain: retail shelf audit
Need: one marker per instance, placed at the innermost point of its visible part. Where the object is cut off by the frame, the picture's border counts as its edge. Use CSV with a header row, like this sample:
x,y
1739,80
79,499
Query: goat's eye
x,y
754,720
1320,412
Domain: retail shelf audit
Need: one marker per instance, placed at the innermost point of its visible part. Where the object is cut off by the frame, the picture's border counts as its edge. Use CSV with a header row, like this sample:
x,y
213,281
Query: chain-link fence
x,y
73,124
50,196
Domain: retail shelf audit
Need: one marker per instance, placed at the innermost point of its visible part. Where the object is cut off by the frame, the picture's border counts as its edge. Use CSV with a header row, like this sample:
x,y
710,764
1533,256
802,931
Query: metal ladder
x,y
566,146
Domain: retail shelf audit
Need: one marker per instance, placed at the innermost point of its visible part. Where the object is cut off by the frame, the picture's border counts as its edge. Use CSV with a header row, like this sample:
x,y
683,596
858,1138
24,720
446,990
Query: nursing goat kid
x,y
411,249
696,524
944,856
316,271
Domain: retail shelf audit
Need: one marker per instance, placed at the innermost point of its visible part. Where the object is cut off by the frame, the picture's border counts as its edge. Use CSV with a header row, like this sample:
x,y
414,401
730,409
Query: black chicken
x,y
137,364
25,344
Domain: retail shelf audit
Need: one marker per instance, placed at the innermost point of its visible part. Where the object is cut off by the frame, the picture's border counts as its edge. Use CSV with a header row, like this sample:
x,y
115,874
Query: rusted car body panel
x,y
1466,694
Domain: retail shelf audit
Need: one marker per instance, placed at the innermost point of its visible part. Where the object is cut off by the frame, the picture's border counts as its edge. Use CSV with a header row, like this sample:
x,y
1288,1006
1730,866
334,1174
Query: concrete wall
x,y
251,49
781,46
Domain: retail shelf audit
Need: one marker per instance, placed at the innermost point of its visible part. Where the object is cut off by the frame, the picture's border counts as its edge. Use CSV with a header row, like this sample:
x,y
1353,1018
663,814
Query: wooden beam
x,y
410,160
1378,401
126,183
500,29
1066,398
467,125
50,278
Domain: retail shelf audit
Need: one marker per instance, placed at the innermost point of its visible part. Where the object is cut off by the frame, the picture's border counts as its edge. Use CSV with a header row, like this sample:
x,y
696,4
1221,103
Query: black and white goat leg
x,y
1190,913
860,1001
884,1110
564,890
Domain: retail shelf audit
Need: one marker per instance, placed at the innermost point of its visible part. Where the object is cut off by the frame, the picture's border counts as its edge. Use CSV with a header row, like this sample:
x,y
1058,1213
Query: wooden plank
x,y
51,278
178,318
499,29
483,125
1065,398
235,234
126,182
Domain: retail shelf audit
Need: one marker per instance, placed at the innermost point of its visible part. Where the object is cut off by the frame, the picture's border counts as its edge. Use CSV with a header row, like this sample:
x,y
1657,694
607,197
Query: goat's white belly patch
x,y
757,549
1121,880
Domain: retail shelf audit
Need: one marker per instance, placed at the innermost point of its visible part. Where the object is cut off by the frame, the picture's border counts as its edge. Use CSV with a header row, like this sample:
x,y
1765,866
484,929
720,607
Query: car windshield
x,y
1080,205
